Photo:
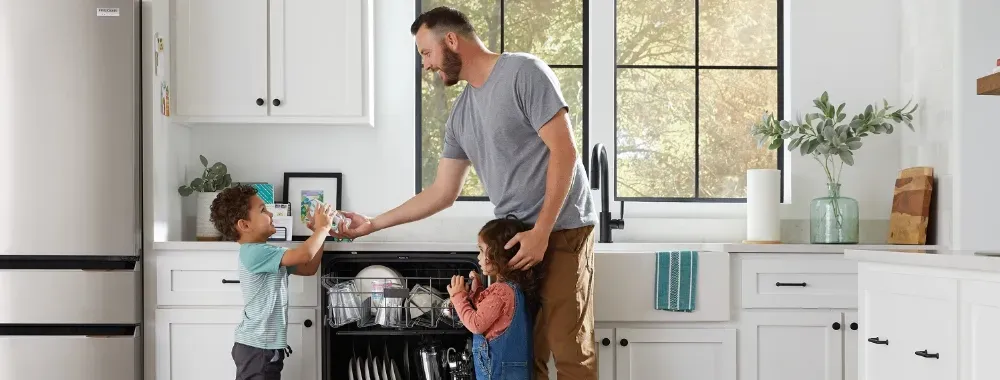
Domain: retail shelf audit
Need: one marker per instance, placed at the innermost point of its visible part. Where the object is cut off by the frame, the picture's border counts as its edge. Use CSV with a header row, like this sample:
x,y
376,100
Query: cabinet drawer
x,y
212,279
822,282
625,288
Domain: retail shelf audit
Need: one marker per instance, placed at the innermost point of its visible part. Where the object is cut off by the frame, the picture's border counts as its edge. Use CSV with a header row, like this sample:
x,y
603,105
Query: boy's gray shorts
x,y
254,363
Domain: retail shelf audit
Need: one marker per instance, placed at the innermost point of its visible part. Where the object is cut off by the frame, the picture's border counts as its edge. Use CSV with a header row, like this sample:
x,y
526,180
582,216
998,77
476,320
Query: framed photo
x,y
303,188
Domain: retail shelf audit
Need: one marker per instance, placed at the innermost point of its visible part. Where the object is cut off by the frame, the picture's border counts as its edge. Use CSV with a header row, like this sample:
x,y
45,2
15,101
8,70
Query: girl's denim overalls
x,y
509,355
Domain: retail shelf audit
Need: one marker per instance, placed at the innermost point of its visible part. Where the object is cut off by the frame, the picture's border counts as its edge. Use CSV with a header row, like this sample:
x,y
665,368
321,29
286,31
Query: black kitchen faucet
x,y
599,180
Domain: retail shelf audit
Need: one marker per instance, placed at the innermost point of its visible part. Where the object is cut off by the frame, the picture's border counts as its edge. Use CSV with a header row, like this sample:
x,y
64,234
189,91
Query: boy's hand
x,y
457,285
322,217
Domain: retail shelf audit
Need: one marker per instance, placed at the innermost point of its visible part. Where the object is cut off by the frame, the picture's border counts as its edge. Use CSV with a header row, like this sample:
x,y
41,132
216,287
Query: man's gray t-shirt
x,y
496,127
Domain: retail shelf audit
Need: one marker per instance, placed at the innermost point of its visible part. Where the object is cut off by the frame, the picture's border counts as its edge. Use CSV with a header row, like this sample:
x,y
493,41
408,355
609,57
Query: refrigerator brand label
x,y
107,12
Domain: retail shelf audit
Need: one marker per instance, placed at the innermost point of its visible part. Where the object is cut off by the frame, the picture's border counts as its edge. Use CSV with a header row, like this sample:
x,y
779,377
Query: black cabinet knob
x,y
276,102
836,325
225,281
308,323
854,325
926,355
605,342
623,342
260,101
876,340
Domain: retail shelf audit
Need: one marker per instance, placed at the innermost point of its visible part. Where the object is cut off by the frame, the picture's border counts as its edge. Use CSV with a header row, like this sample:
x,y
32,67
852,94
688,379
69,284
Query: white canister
x,y
763,198
205,229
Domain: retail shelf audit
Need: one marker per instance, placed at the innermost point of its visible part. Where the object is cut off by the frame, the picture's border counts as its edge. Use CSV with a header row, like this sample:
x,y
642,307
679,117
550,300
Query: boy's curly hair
x,y
231,205
495,234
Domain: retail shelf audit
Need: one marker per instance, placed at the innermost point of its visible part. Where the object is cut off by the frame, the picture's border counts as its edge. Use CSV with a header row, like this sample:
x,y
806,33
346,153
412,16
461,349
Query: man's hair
x,y
444,19
229,207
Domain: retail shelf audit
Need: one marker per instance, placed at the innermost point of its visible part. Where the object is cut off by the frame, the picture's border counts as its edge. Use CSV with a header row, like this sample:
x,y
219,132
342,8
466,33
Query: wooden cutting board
x,y
911,206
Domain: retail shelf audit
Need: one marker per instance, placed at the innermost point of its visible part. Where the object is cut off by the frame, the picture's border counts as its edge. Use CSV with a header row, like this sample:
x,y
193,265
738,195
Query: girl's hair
x,y
495,234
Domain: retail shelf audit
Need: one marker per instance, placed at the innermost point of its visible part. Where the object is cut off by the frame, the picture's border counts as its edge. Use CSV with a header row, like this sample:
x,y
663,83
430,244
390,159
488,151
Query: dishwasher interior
x,y
388,316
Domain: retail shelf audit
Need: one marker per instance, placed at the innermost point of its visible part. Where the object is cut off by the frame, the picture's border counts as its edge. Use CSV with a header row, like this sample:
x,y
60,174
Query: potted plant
x,y
213,180
831,140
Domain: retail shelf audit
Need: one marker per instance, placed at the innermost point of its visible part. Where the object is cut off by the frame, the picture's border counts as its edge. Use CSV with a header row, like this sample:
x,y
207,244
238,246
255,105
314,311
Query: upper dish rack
x,y
389,301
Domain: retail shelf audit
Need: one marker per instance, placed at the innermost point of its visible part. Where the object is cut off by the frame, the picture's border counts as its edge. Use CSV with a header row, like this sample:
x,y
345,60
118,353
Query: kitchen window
x,y
689,79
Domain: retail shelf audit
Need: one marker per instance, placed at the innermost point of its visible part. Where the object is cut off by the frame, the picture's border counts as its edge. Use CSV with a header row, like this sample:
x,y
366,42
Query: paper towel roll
x,y
763,197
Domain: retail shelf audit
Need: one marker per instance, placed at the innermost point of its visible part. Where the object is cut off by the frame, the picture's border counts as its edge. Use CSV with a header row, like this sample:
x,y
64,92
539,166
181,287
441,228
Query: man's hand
x,y
360,226
534,242
457,285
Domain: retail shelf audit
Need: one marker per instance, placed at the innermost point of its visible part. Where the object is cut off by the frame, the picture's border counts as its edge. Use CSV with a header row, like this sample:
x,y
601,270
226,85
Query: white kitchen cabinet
x,y
792,345
980,333
910,325
668,353
277,61
196,344
212,279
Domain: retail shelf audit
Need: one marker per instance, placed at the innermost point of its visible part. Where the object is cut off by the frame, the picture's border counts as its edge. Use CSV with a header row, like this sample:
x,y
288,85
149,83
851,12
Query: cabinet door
x,y
708,354
879,333
851,345
197,344
980,335
605,339
791,345
320,60
221,58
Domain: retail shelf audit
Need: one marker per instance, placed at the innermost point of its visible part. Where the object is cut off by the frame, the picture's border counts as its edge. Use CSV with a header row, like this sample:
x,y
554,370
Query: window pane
x,y
738,32
571,83
655,133
484,15
436,99
549,29
655,32
729,103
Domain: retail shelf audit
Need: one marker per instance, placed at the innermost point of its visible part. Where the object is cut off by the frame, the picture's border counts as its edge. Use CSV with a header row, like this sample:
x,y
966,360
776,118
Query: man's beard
x,y
451,67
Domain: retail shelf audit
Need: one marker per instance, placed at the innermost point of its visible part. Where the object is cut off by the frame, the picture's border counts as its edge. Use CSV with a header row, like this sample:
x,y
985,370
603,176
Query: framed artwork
x,y
301,189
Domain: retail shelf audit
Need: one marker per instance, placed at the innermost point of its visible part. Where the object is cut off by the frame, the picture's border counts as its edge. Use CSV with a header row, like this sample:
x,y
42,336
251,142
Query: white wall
x,y
926,66
850,53
977,48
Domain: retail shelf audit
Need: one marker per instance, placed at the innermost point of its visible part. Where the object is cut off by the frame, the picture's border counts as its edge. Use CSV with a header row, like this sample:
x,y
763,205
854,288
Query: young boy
x,y
260,339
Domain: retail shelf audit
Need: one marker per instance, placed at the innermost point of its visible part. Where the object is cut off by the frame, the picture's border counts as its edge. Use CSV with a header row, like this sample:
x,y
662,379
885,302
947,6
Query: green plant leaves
x,y
213,178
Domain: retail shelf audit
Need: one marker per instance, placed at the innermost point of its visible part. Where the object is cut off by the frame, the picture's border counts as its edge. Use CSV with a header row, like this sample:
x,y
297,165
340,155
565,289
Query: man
x,y
511,123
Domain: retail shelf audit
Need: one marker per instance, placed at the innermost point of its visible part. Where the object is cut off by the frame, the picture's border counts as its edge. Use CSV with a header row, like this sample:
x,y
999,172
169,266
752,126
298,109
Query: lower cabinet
x,y
195,344
797,345
704,354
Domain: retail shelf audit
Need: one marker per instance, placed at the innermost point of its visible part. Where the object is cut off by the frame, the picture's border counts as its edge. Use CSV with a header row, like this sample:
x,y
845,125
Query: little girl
x,y
500,316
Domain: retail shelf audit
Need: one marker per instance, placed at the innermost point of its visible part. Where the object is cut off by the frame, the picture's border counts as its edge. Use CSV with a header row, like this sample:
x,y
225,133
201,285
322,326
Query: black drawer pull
x,y
877,341
225,281
802,284
926,355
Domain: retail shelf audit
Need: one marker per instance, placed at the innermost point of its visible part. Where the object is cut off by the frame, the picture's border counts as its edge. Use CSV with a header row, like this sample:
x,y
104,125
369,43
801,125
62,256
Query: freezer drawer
x,y
69,297
68,357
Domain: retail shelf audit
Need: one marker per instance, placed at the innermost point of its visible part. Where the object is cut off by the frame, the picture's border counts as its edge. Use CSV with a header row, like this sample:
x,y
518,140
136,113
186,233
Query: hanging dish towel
x,y
676,280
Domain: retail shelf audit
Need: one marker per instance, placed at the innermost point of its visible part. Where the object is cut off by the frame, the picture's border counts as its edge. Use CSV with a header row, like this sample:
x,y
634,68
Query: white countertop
x,y
600,247
942,259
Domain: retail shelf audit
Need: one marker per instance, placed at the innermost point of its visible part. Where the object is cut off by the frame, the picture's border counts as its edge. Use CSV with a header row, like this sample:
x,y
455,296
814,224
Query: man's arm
x,y
440,195
558,138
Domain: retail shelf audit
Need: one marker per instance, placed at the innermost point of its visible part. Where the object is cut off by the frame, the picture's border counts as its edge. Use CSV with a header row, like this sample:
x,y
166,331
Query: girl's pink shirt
x,y
487,311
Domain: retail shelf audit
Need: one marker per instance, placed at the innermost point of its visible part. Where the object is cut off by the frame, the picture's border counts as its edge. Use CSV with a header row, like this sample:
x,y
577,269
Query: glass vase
x,y
833,218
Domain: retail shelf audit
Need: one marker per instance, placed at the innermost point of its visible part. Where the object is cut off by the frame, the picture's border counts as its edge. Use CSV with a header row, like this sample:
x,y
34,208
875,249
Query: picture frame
x,y
301,188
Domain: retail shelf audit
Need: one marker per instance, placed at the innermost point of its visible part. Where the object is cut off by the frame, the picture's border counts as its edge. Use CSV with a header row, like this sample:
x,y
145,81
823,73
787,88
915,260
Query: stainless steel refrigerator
x,y
70,182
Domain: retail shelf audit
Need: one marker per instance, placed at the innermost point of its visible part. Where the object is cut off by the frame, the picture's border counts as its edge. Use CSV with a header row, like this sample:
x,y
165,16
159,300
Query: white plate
x,y
371,273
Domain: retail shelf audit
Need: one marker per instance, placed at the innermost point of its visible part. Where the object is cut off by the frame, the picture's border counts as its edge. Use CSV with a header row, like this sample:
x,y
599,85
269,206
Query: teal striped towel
x,y
676,280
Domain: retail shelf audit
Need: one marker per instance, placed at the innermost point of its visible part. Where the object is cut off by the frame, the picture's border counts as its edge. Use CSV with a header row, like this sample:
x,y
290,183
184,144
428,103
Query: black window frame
x,y
584,87
697,67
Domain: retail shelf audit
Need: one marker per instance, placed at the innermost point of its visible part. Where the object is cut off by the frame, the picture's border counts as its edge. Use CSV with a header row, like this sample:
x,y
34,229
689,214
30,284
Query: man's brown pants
x,y
564,325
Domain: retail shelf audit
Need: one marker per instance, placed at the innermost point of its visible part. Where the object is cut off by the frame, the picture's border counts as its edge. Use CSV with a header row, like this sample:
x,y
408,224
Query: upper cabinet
x,y
277,61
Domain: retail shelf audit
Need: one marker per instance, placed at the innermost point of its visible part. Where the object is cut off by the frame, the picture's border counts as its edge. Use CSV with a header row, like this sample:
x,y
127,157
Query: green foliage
x,y
213,178
826,136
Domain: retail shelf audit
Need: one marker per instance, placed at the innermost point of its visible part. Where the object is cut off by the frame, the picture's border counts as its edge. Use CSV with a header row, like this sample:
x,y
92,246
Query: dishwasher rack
x,y
394,317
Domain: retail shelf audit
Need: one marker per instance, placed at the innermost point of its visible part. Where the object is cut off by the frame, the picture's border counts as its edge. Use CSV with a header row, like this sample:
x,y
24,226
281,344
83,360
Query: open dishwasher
x,y
387,316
